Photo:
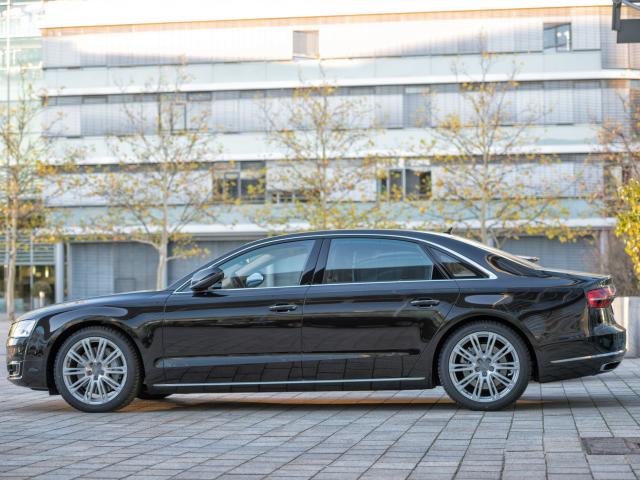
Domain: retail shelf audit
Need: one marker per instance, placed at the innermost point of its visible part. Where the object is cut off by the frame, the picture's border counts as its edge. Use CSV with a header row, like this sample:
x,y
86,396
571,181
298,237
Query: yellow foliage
x,y
628,216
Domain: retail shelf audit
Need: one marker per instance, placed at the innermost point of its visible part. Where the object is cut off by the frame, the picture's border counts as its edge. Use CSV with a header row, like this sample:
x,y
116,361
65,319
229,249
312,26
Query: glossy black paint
x,y
332,336
223,328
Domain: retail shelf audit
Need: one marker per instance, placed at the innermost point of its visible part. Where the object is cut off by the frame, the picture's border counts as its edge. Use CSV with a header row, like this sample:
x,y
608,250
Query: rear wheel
x,y
484,366
97,370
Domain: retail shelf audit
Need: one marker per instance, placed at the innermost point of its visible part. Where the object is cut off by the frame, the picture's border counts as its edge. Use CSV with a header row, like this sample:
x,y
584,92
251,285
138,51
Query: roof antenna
x,y
449,230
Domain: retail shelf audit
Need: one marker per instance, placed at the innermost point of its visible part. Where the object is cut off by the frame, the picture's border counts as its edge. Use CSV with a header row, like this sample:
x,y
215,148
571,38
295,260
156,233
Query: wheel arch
x,y
79,325
451,327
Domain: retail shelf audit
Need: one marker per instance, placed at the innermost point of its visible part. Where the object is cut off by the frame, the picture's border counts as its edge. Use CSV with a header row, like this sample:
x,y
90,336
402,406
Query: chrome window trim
x,y
332,284
288,382
590,357
256,289
490,274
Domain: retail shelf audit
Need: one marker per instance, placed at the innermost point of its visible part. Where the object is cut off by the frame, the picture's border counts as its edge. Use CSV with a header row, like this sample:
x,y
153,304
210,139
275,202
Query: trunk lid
x,y
590,279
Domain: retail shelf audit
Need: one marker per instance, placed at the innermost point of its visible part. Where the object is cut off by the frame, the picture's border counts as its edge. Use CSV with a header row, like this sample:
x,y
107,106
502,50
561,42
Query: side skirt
x,y
284,382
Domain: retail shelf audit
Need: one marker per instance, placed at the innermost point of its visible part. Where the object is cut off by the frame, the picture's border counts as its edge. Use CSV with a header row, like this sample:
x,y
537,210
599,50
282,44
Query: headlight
x,y
23,328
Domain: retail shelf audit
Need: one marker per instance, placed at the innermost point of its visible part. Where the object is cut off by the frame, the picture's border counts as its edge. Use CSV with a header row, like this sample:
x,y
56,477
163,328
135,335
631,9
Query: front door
x,y
245,330
372,310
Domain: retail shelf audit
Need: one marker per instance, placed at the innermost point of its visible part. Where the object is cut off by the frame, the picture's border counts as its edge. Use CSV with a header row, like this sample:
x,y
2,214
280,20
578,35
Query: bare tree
x,y
27,172
163,178
483,180
328,174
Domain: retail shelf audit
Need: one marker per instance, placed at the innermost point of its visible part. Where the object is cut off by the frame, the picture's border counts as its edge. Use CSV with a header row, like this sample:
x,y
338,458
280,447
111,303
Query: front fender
x,y
143,329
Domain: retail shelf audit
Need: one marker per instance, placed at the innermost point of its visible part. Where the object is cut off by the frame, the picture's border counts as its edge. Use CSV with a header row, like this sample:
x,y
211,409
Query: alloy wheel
x,y
484,366
94,370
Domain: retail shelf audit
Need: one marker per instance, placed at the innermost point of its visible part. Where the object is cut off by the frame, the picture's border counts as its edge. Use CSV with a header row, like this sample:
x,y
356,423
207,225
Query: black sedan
x,y
352,310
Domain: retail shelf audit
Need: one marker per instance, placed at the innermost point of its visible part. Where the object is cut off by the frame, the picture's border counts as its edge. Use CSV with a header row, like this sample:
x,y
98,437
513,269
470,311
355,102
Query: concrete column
x,y
627,313
59,268
603,247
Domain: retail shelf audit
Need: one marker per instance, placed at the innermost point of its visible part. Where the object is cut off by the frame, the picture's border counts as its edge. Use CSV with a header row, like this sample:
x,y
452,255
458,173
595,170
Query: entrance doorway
x,y
35,276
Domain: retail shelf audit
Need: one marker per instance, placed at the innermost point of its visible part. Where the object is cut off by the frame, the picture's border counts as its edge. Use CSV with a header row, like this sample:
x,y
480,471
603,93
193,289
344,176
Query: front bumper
x,y
25,362
601,351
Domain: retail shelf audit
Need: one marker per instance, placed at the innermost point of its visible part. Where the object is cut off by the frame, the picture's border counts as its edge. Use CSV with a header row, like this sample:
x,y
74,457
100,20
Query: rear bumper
x,y
600,352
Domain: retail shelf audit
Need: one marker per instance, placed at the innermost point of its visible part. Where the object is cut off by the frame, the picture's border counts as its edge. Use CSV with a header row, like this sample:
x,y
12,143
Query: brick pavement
x,y
334,435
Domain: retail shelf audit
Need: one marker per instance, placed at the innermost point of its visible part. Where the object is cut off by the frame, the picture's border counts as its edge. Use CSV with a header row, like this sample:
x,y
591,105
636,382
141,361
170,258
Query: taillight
x,y
601,297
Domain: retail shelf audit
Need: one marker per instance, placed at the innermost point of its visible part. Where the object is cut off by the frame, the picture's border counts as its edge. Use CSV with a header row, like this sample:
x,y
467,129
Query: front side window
x,y
279,265
557,37
357,260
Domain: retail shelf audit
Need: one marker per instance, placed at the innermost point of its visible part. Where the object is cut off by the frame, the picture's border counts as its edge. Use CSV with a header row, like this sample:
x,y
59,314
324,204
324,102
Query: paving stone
x,y
325,435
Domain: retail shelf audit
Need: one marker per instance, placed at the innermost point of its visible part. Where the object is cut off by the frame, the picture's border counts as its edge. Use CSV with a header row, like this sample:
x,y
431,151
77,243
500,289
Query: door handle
x,y
424,302
282,307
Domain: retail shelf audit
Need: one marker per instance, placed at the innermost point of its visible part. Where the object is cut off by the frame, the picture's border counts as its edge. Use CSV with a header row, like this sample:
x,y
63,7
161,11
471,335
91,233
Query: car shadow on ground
x,y
438,404
250,401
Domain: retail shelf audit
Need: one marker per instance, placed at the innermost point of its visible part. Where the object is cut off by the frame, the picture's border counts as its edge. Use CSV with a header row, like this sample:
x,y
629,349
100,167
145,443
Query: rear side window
x,y
456,268
514,268
360,260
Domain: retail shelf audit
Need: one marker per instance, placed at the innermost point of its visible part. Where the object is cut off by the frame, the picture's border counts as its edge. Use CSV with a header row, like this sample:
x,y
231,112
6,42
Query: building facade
x,y
386,54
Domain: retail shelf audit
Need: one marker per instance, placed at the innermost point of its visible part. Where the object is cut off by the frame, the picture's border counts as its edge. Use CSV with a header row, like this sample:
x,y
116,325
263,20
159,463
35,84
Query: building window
x,y
417,107
284,196
634,109
239,181
305,44
405,183
557,37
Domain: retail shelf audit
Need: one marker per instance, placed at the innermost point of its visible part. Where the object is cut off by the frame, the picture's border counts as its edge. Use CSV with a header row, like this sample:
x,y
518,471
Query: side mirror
x,y
254,280
206,277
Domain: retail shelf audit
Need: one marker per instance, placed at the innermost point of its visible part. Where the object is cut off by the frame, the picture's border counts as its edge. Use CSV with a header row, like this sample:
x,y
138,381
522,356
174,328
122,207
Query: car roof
x,y
325,233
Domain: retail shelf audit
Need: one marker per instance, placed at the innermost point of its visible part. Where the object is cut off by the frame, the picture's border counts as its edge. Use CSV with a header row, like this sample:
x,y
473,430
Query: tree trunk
x,y
163,246
161,272
10,272
484,208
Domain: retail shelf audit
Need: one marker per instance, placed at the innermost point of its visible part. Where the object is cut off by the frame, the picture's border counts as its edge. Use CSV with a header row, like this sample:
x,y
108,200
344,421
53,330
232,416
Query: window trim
x,y
329,241
318,278
304,274
319,264
479,274
555,26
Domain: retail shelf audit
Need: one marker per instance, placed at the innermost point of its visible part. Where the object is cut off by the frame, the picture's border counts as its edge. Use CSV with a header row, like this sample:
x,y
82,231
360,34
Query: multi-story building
x,y
384,52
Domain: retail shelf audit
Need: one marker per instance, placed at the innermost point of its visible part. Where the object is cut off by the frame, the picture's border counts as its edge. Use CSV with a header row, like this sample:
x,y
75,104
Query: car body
x,y
333,310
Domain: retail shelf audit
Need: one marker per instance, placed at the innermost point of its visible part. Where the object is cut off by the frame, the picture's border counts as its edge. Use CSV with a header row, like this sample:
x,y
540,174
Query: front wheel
x,y
97,370
484,366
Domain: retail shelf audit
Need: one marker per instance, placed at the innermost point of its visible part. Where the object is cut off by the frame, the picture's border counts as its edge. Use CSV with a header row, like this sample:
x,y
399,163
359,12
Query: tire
x,y
88,385
476,380
143,395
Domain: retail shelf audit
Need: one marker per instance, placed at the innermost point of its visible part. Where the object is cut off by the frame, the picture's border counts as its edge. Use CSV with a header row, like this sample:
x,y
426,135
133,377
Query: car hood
x,y
105,300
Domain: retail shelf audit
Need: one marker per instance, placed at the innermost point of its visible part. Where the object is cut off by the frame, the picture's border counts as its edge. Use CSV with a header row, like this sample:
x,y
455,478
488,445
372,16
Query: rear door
x,y
374,306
